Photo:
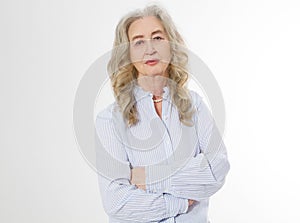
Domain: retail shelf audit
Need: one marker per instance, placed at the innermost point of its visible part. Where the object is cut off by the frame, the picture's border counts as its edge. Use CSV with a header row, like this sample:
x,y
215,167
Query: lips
x,y
152,62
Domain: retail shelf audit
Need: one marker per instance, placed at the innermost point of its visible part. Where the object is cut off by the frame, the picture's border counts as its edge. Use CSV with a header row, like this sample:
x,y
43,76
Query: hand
x,y
191,202
138,177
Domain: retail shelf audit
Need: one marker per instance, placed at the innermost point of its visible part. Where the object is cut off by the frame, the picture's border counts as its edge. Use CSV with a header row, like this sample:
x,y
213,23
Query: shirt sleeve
x,y
121,200
204,174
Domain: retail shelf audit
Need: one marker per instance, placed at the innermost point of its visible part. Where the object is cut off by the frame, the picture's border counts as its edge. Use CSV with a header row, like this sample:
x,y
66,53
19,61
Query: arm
x,y
121,199
204,174
200,178
138,178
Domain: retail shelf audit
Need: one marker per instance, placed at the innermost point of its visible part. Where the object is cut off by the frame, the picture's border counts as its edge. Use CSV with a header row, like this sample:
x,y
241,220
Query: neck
x,y
153,84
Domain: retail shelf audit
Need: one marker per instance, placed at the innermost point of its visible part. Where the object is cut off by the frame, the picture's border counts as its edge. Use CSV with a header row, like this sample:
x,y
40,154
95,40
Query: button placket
x,y
167,140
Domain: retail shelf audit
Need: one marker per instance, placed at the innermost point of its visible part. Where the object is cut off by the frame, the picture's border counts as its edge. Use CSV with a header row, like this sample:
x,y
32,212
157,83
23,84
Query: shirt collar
x,y
140,93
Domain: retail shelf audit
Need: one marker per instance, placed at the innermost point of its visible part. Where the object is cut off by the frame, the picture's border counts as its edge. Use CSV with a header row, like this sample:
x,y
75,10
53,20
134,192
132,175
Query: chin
x,y
151,71
155,71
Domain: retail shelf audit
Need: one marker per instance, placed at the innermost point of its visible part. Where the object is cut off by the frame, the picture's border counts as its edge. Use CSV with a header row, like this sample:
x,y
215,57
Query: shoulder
x,y
203,113
108,113
202,109
196,99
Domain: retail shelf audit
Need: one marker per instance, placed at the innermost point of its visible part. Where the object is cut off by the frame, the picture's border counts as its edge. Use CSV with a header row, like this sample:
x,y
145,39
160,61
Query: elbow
x,y
210,189
113,201
120,206
114,210
114,205
220,171
220,176
110,209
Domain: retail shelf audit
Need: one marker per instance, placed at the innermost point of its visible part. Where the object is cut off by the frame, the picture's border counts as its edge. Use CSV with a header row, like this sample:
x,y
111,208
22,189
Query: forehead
x,y
145,26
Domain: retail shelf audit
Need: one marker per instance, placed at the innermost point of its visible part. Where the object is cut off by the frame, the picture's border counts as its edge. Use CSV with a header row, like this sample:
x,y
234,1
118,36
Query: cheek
x,y
165,52
136,55
139,66
136,58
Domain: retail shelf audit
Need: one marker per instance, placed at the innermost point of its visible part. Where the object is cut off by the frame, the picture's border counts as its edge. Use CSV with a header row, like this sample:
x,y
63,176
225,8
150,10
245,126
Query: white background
x,y
252,48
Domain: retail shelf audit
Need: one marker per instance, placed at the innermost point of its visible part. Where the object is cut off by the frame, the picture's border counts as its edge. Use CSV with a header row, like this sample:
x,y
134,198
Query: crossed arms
x,y
130,197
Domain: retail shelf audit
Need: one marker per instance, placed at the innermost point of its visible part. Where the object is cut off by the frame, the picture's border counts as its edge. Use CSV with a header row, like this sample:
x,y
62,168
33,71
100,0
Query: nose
x,y
150,50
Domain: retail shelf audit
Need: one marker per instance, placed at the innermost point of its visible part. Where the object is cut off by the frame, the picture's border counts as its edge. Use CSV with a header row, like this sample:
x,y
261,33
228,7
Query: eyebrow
x,y
153,33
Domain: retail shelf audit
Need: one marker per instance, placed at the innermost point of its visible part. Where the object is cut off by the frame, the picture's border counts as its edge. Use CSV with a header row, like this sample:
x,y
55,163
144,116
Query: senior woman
x,y
157,128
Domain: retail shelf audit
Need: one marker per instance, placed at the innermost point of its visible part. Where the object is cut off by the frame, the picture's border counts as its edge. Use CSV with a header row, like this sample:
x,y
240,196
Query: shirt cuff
x,y
176,205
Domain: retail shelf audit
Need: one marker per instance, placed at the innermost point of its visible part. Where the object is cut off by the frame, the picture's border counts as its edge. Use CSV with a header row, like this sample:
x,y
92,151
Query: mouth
x,y
152,62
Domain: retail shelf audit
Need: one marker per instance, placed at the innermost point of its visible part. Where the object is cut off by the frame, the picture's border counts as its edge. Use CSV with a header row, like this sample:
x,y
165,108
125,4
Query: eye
x,y
158,38
139,42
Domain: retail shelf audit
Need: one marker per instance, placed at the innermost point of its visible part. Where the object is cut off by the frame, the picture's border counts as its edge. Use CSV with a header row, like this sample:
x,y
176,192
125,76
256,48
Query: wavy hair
x,y
123,74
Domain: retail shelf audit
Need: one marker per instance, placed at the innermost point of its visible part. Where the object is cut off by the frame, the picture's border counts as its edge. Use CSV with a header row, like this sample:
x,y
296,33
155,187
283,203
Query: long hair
x,y
123,74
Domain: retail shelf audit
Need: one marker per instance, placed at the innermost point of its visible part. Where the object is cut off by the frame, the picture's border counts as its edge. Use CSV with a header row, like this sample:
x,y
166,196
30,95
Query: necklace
x,y
157,100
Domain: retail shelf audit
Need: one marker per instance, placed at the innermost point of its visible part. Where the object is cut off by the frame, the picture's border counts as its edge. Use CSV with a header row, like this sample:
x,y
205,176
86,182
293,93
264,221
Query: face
x,y
149,47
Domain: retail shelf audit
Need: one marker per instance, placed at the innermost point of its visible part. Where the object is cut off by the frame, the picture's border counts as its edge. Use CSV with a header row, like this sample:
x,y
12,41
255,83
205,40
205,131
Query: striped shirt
x,y
181,162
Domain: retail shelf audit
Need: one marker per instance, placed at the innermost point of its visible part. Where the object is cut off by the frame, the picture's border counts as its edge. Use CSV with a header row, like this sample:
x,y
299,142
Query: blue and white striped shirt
x,y
177,167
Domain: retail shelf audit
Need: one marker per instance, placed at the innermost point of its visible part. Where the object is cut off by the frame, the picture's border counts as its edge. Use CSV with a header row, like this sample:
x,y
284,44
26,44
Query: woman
x,y
158,129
